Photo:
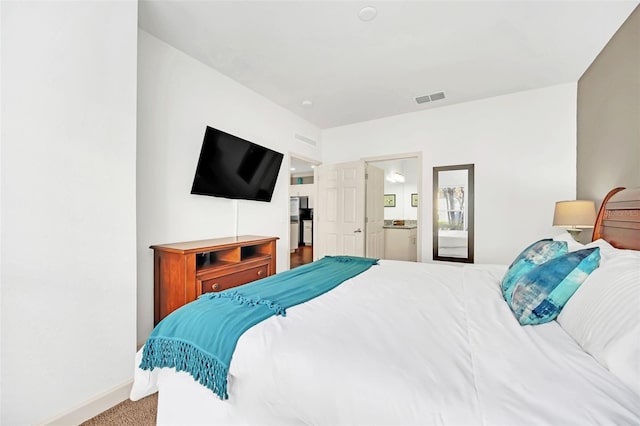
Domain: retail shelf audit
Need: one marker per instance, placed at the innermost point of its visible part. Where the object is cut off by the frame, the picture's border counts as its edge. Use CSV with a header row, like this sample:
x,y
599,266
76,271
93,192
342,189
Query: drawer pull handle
x,y
215,286
259,272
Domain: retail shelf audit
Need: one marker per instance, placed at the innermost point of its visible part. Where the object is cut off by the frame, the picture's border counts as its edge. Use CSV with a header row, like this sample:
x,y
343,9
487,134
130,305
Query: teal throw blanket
x,y
200,337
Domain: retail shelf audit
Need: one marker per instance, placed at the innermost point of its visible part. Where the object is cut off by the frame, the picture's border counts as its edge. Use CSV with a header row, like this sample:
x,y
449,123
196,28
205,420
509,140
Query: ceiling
x,y
351,70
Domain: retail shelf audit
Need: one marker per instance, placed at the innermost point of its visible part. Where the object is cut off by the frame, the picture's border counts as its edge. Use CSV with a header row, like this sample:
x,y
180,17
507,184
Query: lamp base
x,y
575,232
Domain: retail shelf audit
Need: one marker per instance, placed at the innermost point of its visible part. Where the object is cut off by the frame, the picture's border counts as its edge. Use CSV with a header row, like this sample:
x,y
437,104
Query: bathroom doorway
x,y
402,193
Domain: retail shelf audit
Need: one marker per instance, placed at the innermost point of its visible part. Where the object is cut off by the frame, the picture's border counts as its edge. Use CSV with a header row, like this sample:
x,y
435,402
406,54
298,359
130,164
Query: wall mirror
x,y
453,213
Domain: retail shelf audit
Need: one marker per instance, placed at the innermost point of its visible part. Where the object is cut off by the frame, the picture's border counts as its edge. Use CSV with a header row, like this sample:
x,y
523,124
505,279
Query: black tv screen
x,y
232,167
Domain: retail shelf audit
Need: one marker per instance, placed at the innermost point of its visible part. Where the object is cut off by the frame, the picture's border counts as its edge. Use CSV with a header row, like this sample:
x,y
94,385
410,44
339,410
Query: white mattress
x,y
402,343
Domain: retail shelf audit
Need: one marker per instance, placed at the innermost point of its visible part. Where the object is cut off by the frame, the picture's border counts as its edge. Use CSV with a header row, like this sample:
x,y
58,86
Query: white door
x,y
339,212
375,212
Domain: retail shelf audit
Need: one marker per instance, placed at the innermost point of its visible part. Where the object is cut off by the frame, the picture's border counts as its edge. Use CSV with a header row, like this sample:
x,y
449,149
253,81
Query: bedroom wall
x,y
523,146
1,133
177,98
68,205
609,116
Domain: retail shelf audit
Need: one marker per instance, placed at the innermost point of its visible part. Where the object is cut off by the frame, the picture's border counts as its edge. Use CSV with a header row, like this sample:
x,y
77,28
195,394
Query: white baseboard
x,y
93,407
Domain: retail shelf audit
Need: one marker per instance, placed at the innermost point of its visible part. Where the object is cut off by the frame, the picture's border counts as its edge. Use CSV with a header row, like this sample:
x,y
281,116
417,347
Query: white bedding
x,y
452,243
402,343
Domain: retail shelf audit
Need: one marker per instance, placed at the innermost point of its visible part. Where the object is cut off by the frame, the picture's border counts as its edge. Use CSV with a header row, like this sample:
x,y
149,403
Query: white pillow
x,y
603,316
572,244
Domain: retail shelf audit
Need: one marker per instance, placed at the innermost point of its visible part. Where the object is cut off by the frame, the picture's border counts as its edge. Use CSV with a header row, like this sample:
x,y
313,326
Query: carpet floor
x,y
138,413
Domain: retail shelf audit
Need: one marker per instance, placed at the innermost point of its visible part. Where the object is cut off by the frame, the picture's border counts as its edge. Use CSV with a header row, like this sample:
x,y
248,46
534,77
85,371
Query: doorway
x,y
302,195
402,193
350,208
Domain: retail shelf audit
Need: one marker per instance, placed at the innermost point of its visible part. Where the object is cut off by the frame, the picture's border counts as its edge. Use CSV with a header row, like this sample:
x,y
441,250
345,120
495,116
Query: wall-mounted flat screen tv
x,y
232,167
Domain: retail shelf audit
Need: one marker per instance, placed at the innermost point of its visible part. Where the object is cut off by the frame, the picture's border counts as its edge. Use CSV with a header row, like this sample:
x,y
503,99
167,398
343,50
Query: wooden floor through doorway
x,y
302,256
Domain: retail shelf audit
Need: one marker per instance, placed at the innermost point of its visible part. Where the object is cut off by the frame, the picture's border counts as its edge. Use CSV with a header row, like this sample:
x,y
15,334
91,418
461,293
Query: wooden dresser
x,y
183,271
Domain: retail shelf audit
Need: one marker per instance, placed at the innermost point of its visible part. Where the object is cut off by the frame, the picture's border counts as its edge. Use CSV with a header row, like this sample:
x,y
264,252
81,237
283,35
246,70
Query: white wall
x,y
68,204
1,137
523,146
177,98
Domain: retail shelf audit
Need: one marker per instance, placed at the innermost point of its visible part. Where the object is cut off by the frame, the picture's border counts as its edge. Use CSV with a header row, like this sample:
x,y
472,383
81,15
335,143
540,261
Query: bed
x,y
414,343
453,243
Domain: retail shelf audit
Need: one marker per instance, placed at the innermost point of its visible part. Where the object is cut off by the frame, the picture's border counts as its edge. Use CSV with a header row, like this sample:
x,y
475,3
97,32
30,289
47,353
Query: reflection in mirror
x,y
453,213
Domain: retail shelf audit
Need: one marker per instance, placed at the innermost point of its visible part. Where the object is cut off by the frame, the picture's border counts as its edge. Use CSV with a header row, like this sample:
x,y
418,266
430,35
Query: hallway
x,y
303,255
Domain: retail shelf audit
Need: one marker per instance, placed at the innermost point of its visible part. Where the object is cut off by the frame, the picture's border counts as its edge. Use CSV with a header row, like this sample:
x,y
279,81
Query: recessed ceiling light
x,y
395,177
293,169
367,13
307,103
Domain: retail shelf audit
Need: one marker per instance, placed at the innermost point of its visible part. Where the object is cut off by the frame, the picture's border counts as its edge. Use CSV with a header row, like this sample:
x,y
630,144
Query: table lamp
x,y
575,215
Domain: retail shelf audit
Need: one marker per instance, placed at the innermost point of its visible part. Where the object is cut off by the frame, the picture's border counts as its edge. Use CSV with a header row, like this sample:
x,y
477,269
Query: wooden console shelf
x,y
183,271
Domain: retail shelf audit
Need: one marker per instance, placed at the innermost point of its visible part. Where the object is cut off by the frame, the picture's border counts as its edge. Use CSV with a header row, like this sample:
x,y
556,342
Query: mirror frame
x,y
470,213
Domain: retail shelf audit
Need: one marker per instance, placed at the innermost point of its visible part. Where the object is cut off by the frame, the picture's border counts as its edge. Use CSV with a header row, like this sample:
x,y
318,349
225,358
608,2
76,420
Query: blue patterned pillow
x,y
540,294
534,255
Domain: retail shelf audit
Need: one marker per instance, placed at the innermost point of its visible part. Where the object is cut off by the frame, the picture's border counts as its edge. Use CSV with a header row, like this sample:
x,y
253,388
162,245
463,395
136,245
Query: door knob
x,y
358,230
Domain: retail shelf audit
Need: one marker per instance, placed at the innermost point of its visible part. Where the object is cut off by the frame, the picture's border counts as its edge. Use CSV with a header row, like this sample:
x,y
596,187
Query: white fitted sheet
x,y
402,343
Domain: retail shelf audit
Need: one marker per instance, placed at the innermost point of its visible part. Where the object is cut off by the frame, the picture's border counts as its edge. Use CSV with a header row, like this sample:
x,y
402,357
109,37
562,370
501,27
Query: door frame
x,y
403,156
315,190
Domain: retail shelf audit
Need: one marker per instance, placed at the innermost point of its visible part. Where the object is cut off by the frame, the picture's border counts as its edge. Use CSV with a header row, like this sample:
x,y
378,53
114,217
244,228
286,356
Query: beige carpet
x,y
139,413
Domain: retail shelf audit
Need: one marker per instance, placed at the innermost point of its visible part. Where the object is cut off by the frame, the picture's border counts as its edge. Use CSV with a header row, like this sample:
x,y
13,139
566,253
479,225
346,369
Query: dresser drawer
x,y
232,279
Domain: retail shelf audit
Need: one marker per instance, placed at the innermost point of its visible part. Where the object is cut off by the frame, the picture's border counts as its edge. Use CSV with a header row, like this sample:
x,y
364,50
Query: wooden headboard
x,y
618,220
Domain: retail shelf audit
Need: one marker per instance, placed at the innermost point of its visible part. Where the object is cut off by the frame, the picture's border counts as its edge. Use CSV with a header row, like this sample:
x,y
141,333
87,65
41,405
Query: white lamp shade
x,y
575,214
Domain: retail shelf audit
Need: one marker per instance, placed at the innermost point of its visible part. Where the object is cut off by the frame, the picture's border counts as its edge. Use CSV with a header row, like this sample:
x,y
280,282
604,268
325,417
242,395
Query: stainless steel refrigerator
x,y
298,210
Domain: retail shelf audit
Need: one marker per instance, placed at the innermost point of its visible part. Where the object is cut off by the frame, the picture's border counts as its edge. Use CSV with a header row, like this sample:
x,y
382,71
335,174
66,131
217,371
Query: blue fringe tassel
x,y
248,301
205,369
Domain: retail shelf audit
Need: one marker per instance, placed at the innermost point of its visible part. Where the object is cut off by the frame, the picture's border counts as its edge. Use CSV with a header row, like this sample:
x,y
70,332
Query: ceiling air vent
x,y
305,139
428,98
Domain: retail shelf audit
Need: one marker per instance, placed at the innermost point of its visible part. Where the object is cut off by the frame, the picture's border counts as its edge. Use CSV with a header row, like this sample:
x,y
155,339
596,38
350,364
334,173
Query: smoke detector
x,y
367,14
